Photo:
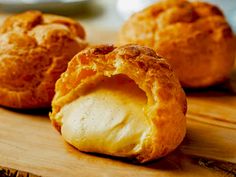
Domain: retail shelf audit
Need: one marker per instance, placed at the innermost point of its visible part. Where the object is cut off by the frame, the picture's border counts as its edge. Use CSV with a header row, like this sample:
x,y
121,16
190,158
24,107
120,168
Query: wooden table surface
x,y
30,145
28,142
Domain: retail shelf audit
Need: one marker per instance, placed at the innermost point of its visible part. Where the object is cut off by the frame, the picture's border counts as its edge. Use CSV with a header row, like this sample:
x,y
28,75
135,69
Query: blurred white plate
x,y
26,2
54,6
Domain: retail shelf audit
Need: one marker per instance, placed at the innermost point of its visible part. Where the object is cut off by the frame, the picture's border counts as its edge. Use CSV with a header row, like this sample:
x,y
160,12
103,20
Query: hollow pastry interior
x,y
110,113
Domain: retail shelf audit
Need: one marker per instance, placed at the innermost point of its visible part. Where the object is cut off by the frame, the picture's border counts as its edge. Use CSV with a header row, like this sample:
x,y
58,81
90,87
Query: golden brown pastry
x,y
34,50
194,37
122,102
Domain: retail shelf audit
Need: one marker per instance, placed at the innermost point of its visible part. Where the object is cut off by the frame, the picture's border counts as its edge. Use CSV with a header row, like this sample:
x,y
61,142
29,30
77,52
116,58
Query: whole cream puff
x,y
123,102
193,36
34,50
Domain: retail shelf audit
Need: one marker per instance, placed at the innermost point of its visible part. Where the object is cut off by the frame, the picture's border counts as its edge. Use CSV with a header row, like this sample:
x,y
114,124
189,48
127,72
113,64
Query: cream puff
x,y
123,102
34,50
194,37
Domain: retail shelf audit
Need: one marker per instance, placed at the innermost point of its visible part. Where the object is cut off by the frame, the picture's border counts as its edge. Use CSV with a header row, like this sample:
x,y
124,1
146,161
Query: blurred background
x,y
105,14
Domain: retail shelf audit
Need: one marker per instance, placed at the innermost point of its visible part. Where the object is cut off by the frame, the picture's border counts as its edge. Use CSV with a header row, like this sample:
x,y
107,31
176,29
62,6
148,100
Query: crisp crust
x,y
194,37
166,104
34,51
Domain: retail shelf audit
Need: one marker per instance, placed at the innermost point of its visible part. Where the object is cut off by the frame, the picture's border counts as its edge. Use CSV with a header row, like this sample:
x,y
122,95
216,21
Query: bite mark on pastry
x,y
123,101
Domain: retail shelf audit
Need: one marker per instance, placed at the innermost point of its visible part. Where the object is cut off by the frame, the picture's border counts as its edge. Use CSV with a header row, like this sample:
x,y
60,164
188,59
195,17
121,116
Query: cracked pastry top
x,y
34,50
123,102
193,36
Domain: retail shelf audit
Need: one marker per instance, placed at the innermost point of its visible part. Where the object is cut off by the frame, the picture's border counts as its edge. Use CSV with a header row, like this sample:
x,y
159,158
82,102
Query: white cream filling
x,y
109,119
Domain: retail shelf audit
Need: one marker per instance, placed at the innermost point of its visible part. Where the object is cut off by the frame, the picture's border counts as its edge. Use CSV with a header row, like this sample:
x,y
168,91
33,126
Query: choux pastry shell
x,y
123,102
34,50
194,37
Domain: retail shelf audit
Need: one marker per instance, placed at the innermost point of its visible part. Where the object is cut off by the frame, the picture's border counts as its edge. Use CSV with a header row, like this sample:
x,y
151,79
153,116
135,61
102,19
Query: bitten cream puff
x,y
123,102
34,50
194,37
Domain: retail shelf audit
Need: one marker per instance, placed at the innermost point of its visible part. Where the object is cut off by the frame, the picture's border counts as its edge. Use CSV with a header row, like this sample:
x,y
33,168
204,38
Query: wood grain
x,y
9,172
29,143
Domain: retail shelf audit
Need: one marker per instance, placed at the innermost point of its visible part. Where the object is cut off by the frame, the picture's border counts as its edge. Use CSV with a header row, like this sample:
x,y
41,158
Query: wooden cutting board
x,y
30,146
29,143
